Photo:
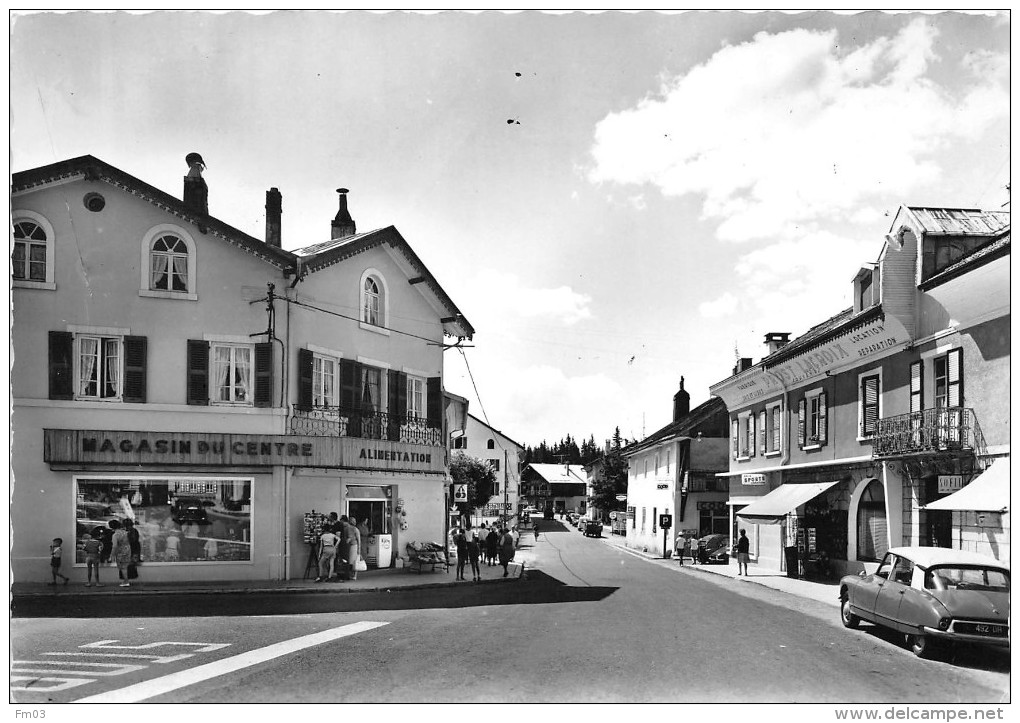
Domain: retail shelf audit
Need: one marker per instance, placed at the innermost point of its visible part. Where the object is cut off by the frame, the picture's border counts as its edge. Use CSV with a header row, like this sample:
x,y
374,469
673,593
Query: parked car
x,y
593,528
709,545
190,509
573,517
932,595
581,523
720,556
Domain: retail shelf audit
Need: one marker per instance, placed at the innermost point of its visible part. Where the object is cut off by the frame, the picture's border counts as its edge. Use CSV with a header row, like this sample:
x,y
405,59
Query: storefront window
x,y
179,519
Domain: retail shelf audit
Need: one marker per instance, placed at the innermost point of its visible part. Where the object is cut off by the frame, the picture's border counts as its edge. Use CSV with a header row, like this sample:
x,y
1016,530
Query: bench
x,y
427,554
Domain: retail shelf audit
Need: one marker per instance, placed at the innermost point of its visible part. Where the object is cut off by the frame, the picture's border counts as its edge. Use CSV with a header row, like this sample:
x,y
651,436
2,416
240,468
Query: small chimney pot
x,y
343,225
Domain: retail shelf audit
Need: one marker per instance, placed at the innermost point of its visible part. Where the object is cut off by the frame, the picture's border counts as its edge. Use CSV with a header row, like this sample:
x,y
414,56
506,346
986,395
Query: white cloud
x,y
788,129
501,296
723,306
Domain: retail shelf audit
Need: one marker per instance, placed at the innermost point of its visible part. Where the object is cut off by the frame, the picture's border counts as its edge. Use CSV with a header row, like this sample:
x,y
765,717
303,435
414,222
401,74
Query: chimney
x,y
681,403
776,340
743,365
343,225
274,209
196,193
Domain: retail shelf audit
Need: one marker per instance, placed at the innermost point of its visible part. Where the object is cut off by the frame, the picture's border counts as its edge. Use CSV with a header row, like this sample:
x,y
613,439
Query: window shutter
x,y
802,423
397,403
954,370
869,405
61,365
761,431
916,387
264,374
777,421
135,361
434,402
349,378
198,372
736,439
752,436
305,366
822,420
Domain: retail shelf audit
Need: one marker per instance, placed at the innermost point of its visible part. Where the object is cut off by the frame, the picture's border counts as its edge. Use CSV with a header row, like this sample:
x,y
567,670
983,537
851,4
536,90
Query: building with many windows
x,y
504,456
673,472
852,438
217,389
554,489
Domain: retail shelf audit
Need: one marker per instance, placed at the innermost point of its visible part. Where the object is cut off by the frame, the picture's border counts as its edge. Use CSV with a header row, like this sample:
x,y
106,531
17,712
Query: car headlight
x,y
944,623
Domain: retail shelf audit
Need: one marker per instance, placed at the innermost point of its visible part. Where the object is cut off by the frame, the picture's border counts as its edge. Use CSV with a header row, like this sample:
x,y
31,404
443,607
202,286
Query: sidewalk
x,y
823,592
390,579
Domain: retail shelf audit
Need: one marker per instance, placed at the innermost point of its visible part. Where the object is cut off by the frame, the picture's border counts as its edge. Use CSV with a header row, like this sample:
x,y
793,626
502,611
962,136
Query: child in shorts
x,y
55,559
92,549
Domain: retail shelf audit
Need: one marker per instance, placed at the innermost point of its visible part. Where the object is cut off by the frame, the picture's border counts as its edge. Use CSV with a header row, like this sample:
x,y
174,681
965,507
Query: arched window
x,y
372,303
28,261
168,266
490,444
872,528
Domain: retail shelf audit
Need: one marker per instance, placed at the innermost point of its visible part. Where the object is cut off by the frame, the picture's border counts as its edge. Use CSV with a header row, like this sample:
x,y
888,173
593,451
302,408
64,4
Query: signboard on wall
x,y
950,483
752,480
84,446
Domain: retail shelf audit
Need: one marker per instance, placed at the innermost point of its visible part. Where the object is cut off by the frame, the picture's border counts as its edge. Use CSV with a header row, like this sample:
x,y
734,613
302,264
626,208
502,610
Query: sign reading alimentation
x,y
77,446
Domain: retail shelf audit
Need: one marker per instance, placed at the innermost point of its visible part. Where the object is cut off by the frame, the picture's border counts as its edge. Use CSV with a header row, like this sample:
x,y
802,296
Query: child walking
x,y
92,549
55,559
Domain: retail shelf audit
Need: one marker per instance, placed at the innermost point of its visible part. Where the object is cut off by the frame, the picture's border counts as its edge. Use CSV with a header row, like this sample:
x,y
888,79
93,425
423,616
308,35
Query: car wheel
x,y
847,616
920,645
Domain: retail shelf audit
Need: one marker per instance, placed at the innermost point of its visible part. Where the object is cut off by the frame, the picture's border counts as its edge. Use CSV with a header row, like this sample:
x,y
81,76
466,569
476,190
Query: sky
x,y
613,200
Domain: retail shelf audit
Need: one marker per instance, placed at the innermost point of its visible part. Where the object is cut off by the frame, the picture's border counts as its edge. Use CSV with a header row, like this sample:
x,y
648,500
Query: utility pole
x,y
506,485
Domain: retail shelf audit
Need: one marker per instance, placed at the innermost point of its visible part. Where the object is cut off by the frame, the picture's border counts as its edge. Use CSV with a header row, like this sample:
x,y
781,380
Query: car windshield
x,y
958,577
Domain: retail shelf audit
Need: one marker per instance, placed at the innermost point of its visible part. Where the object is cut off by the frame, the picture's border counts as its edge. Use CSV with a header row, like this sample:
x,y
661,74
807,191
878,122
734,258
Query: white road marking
x,y
60,683
25,666
154,658
158,686
105,645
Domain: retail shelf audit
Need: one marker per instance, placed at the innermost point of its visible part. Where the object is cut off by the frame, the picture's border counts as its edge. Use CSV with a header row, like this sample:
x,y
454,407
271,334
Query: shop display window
x,y
179,519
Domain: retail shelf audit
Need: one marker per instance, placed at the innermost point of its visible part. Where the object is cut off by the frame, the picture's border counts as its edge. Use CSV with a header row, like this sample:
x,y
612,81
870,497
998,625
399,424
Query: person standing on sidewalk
x,y
743,549
121,551
474,549
56,558
506,551
328,543
460,540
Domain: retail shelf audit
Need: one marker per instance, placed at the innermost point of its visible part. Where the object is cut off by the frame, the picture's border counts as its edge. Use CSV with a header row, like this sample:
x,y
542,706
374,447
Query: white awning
x,y
988,492
773,507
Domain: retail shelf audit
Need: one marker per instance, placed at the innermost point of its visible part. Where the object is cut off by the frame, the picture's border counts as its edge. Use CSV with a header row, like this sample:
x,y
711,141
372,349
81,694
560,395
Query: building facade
x,y
504,456
841,437
554,489
674,472
217,389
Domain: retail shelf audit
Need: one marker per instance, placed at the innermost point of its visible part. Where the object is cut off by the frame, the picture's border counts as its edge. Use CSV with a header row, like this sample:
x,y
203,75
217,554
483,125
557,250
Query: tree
x,y
613,482
478,476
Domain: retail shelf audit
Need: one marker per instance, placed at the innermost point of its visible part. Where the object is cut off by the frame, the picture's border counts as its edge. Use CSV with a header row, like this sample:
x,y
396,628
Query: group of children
x,y
122,546
92,548
499,541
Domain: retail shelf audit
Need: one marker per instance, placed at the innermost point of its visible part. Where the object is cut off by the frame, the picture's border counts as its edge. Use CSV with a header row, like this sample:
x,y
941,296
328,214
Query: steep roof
x,y
960,221
493,429
92,169
999,246
558,473
680,429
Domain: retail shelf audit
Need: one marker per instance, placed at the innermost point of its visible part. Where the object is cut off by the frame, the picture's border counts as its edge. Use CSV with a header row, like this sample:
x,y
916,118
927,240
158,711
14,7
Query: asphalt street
x,y
589,623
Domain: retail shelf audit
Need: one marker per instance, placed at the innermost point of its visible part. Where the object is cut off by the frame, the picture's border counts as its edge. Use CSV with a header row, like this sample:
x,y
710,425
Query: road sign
x,y
665,521
460,493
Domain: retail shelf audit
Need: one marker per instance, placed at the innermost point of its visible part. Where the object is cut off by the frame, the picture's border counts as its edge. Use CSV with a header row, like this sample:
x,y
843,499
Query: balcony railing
x,y
337,422
946,429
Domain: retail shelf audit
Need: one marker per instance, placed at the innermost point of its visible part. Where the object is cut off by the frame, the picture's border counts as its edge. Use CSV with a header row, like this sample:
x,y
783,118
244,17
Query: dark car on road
x,y
592,528
932,595
709,545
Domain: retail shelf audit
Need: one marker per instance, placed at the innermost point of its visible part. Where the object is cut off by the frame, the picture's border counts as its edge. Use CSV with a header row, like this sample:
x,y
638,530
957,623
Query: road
x,y
590,623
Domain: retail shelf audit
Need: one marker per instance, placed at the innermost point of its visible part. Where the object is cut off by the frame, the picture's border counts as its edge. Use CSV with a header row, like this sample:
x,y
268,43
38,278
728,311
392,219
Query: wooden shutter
x,y
135,362
264,374
752,436
762,415
198,372
777,422
305,365
434,402
61,365
916,386
397,403
954,374
350,399
869,405
822,419
736,438
802,423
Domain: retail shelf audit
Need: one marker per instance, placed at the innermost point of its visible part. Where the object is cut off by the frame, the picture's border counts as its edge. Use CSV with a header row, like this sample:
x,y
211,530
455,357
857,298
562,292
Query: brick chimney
x,y
681,403
743,365
776,340
274,209
343,225
196,192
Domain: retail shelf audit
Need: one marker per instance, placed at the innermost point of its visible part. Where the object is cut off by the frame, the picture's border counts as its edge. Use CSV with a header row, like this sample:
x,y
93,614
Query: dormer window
x,y
865,288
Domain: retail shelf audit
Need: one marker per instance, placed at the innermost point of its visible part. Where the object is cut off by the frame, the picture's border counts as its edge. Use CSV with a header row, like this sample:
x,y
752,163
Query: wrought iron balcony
x,y
326,421
946,429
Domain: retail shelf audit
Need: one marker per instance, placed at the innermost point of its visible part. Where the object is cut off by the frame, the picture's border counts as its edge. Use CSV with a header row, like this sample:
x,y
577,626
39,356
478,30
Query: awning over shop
x,y
988,492
773,507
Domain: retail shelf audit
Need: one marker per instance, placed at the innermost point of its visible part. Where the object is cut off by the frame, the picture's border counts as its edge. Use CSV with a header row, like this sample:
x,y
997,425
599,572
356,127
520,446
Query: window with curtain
x,y
371,389
232,373
872,528
416,390
948,373
99,367
168,264
372,297
28,259
775,419
324,387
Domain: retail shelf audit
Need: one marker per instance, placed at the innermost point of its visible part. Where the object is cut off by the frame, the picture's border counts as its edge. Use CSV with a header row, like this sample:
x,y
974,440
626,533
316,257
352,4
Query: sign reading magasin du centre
x,y
80,446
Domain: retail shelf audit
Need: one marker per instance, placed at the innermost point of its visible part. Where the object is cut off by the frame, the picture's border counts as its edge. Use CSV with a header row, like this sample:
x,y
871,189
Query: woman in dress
x,y
506,551
121,551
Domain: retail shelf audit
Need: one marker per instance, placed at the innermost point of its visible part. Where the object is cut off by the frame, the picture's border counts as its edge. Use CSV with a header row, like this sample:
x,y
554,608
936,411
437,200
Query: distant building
x,y
503,454
853,437
673,471
555,488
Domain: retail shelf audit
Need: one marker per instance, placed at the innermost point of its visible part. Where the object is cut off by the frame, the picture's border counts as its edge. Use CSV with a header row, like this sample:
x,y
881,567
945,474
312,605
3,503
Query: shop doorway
x,y
371,505
938,524
872,528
